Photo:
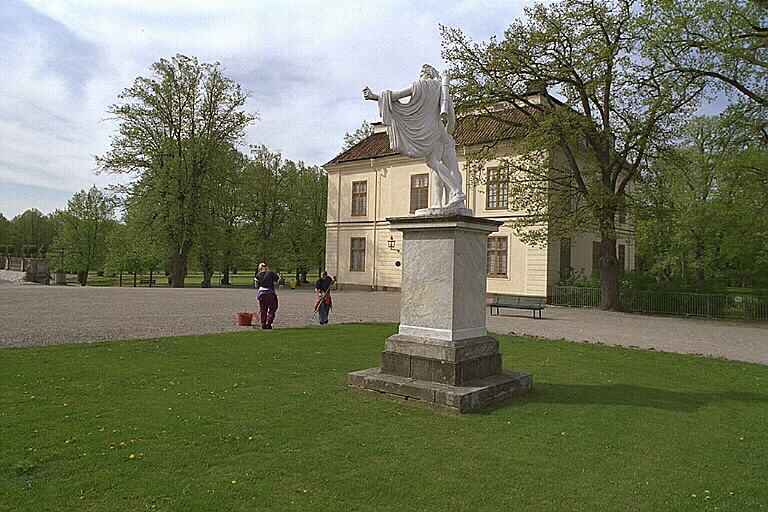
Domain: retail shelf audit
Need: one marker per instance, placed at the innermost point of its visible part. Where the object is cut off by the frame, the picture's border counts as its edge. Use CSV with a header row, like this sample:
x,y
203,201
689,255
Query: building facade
x,y
369,183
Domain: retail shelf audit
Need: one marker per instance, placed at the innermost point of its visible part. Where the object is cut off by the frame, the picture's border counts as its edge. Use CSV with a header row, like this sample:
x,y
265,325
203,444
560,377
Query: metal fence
x,y
747,307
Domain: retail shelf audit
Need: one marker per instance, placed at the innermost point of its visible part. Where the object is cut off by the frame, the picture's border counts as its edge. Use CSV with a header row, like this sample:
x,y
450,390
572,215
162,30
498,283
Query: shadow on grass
x,y
630,396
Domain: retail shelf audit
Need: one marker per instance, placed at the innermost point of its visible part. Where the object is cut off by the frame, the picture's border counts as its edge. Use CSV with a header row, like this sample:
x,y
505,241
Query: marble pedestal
x,y
441,356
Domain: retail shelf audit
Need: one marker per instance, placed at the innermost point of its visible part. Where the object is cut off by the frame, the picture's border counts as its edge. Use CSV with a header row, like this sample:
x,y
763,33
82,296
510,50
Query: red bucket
x,y
244,318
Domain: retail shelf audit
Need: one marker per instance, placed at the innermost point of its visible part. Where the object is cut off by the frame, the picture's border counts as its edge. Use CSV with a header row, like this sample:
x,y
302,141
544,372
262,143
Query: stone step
x,y
458,399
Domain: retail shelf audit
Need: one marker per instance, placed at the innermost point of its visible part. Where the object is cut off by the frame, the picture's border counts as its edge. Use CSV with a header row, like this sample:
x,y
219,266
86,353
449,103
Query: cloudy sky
x,y
63,62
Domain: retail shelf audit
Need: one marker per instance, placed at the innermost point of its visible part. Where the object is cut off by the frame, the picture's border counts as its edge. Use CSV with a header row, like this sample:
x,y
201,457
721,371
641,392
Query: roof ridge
x,y
485,128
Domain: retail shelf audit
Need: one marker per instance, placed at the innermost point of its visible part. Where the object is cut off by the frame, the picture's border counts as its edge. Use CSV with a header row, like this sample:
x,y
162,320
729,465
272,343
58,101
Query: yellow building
x,y
369,183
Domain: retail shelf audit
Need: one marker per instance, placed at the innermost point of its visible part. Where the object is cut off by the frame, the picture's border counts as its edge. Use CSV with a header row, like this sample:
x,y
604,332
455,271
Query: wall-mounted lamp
x,y
391,244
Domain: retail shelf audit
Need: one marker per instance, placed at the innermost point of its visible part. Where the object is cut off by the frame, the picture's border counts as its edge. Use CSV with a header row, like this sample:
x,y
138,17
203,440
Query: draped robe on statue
x,y
415,128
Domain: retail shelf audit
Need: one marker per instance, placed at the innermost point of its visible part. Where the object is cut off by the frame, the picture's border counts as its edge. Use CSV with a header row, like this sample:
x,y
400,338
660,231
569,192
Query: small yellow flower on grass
x,y
234,482
562,433
693,495
132,456
740,439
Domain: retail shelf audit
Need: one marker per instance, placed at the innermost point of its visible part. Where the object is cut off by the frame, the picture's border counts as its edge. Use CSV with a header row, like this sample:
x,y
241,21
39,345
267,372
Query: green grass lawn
x,y
261,420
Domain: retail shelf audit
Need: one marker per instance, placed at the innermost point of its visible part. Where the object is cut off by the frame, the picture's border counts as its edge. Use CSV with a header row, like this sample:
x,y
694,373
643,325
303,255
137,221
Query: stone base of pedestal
x,y
441,356
442,361
470,397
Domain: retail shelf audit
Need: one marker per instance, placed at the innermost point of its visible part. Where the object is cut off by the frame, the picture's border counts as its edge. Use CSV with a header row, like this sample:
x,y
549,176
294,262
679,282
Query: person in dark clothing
x,y
265,281
324,302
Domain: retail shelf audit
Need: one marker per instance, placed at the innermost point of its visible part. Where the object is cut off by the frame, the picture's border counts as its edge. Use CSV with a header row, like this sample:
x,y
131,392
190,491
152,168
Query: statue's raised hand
x,y
369,95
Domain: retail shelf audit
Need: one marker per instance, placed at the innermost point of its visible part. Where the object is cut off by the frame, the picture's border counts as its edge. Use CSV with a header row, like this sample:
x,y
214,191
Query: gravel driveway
x,y
34,315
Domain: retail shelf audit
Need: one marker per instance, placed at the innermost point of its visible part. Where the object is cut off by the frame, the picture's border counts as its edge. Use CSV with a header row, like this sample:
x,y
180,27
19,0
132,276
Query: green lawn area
x,y
261,420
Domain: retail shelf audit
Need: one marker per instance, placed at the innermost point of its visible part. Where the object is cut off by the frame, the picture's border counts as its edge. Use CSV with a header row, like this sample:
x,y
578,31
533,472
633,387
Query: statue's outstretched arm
x,y
396,95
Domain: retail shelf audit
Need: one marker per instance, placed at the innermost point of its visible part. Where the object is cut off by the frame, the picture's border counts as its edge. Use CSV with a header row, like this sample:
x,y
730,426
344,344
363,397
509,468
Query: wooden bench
x,y
517,302
150,282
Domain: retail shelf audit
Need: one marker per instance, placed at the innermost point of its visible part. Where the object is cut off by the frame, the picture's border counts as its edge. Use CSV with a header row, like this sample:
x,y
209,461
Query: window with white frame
x,y
359,198
419,192
497,256
357,254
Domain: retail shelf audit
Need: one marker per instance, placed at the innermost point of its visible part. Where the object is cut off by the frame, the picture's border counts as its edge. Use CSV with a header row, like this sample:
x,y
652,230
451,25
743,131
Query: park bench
x,y
517,302
150,282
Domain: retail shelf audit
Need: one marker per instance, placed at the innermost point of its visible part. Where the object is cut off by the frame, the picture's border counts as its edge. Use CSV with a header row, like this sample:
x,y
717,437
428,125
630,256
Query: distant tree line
x,y
193,198
270,209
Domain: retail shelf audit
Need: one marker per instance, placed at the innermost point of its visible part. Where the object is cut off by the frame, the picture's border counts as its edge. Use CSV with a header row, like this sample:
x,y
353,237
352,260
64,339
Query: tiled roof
x,y
469,131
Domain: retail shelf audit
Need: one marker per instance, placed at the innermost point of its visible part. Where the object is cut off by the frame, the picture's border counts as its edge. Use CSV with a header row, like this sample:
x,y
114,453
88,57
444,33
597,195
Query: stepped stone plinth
x,y
442,356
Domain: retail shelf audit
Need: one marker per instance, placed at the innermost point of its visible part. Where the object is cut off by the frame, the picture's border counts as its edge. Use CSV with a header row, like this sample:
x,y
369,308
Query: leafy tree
x,y
575,166
5,230
303,232
132,250
85,225
722,40
706,214
359,135
221,217
265,207
31,228
174,127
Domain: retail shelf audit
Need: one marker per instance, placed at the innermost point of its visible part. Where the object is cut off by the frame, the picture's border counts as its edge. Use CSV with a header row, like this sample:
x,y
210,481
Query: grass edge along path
x,y
261,420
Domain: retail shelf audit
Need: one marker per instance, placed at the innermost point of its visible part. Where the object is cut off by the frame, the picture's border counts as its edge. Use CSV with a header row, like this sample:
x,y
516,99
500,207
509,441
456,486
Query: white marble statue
x,y
416,129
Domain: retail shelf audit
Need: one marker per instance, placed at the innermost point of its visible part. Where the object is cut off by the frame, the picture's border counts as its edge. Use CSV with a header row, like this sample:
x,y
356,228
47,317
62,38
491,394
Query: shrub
x,y
581,280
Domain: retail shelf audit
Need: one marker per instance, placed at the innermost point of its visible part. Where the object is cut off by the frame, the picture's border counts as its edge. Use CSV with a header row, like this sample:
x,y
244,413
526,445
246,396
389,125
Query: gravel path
x,y
35,315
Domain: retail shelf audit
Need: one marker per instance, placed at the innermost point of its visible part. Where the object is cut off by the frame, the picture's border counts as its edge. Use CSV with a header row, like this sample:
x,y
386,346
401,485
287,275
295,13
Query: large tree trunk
x,y
82,277
179,266
207,269
610,299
